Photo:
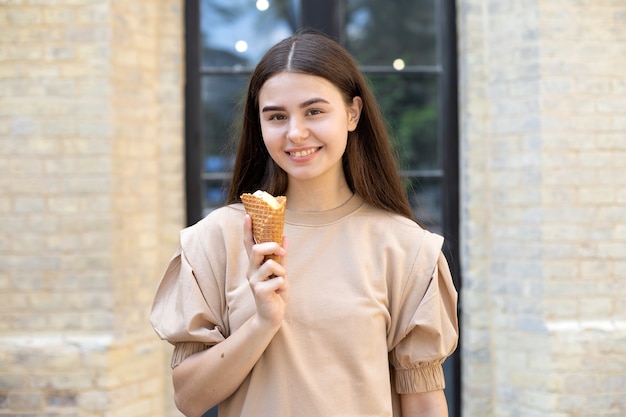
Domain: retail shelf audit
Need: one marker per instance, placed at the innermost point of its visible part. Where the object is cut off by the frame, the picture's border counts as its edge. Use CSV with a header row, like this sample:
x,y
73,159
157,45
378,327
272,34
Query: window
x,y
407,49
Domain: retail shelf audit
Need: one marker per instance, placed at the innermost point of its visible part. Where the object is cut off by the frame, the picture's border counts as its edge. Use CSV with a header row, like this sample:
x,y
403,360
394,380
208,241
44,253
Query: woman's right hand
x,y
268,279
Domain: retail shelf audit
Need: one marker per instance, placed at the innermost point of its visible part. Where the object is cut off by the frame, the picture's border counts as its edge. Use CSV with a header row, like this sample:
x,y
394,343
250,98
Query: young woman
x,y
360,313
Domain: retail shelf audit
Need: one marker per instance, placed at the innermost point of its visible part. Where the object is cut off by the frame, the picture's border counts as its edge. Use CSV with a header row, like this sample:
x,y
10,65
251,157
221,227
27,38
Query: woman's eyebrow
x,y
313,101
302,105
272,108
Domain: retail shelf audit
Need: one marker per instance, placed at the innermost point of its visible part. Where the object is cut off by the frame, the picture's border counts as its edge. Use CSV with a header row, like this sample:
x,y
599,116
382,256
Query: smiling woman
x,y
366,296
412,95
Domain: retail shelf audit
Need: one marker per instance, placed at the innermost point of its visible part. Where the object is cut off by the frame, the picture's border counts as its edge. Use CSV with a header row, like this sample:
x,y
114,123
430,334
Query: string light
x,y
241,46
398,64
262,5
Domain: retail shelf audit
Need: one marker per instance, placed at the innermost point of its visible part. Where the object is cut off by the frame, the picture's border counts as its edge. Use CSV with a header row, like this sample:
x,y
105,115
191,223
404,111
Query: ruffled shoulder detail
x,y
427,326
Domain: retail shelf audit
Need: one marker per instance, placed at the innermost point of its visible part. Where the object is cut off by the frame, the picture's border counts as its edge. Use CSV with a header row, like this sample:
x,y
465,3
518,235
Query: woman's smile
x,y
302,154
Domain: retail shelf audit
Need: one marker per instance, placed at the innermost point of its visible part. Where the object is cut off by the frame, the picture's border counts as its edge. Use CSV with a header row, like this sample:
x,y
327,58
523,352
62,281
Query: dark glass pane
x,y
409,104
381,32
221,96
238,32
425,198
214,194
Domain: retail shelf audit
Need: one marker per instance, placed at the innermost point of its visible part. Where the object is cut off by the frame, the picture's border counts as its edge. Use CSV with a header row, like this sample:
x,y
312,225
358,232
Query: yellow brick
x,y
598,195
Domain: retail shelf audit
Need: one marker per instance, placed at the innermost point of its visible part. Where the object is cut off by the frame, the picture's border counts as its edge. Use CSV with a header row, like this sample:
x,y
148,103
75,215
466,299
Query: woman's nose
x,y
297,130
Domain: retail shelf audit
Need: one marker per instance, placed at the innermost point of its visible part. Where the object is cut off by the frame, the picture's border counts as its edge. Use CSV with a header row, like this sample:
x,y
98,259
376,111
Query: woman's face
x,y
305,123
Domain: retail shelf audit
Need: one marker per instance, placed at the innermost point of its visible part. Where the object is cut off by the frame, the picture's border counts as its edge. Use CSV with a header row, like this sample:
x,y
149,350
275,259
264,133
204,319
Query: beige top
x,y
370,291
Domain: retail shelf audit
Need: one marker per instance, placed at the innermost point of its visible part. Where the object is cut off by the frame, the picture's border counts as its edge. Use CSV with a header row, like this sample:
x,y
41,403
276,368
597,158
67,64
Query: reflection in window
x,y
221,96
425,197
231,29
379,32
409,104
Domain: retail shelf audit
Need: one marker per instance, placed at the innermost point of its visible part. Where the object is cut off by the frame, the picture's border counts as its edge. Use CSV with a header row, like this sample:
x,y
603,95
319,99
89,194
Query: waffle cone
x,y
267,222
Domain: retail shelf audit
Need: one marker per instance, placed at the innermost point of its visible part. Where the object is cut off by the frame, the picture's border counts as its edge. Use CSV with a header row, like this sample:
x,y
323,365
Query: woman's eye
x,y
277,117
313,112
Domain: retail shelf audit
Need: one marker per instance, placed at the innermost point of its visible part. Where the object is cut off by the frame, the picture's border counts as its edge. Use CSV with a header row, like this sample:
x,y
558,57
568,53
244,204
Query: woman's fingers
x,y
261,269
285,246
248,238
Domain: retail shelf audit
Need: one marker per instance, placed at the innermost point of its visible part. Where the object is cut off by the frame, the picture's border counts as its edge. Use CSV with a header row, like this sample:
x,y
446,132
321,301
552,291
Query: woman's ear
x,y
354,113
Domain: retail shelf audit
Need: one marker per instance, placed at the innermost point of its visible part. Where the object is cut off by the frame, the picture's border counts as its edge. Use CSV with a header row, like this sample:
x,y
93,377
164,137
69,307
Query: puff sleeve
x,y
185,312
427,325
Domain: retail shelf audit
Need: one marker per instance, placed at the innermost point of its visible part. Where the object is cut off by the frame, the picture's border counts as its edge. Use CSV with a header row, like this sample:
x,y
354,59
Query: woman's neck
x,y
303,196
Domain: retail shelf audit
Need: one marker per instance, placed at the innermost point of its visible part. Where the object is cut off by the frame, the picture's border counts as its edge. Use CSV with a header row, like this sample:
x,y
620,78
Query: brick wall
x,y
91,180
543,145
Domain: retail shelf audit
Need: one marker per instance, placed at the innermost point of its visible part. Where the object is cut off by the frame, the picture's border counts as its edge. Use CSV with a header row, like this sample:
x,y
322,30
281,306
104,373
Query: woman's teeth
x,y
300,154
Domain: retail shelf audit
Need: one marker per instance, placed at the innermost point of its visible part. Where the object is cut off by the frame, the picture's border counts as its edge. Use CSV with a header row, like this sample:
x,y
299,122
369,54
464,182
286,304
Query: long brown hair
x,y
368,162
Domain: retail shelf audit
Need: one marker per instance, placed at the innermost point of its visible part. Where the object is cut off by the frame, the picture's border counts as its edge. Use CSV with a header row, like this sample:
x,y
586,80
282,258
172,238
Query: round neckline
x,y
319,218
